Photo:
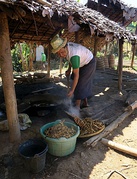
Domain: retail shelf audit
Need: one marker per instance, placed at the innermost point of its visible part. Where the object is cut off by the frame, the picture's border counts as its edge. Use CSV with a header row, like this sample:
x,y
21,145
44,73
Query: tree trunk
x,y
8,81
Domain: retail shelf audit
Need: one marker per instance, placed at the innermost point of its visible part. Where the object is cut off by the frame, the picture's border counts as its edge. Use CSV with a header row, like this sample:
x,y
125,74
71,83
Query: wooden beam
x,y
20,11
8,80
9,12
16,27
132,106
120,147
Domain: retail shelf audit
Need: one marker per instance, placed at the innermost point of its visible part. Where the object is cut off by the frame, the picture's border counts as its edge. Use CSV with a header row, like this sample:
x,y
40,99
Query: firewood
x,y
132,106
120,147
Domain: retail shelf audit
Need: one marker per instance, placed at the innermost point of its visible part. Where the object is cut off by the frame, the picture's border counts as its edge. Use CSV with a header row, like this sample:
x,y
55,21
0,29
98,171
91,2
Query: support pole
x,y
120,64
95,46
8,80
77,37
48,59
133,54
31,57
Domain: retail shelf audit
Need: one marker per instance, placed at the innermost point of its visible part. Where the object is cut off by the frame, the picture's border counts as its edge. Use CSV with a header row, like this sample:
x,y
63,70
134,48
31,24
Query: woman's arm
x,y
75,62
75,81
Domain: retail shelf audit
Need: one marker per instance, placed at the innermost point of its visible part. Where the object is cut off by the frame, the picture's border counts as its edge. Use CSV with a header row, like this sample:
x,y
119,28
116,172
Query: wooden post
x,y
77,37
133,55
95,46
48,60
8,81
105,53
34,55
120,64
31,57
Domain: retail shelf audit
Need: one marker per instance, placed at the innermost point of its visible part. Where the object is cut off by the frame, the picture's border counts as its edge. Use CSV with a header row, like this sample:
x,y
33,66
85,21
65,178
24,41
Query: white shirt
x,y
84,53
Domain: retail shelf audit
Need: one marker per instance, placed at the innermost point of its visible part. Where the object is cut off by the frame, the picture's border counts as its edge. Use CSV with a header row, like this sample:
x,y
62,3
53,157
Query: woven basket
x,y
106,62
100,64
112,61
83,125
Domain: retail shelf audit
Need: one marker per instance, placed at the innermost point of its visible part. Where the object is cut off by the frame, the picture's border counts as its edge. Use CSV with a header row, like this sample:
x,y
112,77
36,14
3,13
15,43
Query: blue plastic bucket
x,y
33,153
62,146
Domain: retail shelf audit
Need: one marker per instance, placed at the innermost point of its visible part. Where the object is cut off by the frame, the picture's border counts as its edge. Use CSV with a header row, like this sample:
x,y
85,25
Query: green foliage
x,y
25,51
16,56
126,58
132,27
99,54
115,48
16,60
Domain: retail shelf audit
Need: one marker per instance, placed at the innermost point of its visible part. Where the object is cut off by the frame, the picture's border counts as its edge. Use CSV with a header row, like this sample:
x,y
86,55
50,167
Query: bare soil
x,y
106,104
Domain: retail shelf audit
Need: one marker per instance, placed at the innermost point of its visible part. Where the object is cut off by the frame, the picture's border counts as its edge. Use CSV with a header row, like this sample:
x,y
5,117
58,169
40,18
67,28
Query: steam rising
x,y
70,108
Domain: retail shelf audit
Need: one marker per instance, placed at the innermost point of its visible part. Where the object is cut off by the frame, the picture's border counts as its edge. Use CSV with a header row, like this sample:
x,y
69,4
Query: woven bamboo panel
x,y
86,39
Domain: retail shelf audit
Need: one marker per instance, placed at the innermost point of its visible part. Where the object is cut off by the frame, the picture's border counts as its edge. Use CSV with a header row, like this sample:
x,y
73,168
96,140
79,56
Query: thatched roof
x,y
115,10
40,20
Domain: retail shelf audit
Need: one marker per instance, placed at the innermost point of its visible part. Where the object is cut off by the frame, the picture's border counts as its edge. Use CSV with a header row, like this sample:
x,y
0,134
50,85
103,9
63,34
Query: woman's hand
x,y
70,93
75,81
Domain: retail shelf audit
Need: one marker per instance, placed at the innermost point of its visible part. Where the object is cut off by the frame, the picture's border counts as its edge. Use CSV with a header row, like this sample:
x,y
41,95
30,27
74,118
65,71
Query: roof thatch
x,y
40,20
115,10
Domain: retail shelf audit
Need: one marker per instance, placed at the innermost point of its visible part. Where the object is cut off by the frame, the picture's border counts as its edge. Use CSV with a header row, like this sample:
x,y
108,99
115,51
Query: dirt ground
x,y
97,162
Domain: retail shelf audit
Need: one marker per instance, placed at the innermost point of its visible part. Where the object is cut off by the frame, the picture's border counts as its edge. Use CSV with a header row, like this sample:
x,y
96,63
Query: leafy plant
x,y
16,60
20,56
99,54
